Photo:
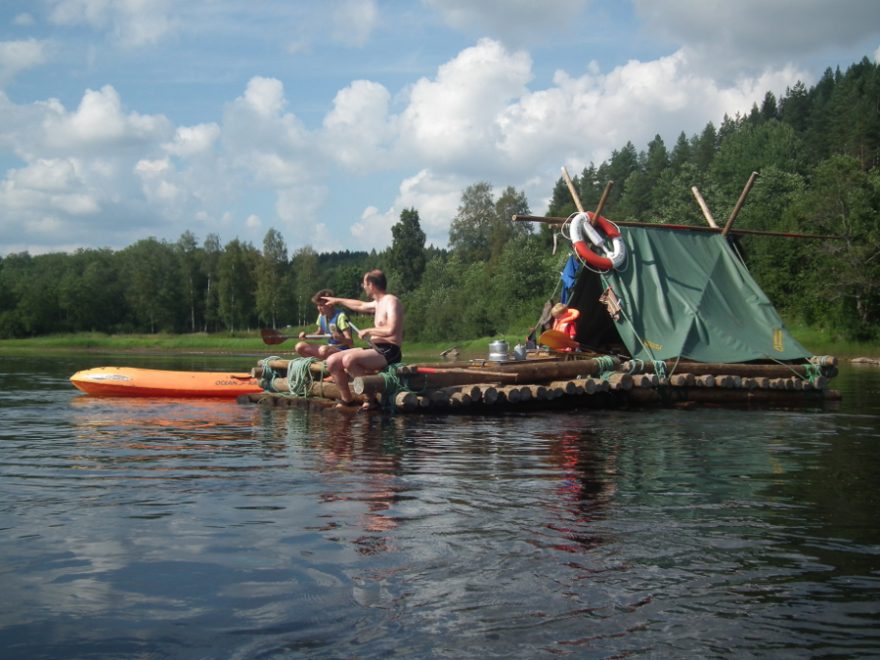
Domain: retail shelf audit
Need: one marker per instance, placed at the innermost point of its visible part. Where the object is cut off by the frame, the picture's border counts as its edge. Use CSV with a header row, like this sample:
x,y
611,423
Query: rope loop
x,y
660,368
393,385
606,366
299,376
268,374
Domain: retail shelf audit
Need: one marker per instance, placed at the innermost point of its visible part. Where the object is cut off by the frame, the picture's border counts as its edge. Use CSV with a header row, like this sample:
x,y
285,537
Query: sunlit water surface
x,y
204,529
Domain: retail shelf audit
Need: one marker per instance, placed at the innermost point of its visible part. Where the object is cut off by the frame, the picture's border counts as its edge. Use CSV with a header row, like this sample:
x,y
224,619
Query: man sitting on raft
x,y
331,322
385,337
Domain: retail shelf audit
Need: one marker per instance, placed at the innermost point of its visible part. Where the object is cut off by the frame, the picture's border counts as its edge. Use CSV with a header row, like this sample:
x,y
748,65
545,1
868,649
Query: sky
x,y
122,120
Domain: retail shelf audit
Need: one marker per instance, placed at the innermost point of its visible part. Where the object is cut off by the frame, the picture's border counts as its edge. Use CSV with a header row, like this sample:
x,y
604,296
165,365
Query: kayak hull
x,y
130,381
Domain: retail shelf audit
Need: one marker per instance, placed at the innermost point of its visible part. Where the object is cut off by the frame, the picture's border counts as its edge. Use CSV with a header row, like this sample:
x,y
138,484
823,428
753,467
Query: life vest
x,y
340,320
567,323
582,230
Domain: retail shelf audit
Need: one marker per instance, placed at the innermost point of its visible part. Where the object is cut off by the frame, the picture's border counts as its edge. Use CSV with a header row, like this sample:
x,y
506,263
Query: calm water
x,y
181,529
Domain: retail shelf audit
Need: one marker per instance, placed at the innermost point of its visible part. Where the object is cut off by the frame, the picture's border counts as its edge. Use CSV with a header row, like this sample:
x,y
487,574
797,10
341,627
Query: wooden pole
x,y
604,198
705,208
739,203
555,220
577,198
571,189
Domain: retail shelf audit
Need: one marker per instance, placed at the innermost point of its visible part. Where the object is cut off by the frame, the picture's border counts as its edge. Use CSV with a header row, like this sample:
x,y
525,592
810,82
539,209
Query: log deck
x,y
482,387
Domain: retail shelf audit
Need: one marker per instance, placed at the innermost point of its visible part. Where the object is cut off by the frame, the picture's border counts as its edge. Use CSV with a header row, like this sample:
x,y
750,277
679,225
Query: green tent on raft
x,y
681,294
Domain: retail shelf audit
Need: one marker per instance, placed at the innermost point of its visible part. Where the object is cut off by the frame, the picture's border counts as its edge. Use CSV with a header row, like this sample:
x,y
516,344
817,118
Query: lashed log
x,y
704,380
515,373
279,368
716,368
731,397
644,380
620,381
320,389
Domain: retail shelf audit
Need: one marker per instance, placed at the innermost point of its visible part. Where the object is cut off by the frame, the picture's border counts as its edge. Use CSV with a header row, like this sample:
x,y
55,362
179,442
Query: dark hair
x,y
377,279
318,298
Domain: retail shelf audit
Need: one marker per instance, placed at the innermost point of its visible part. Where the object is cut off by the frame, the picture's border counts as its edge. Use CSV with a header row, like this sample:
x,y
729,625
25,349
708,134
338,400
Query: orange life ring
x,y
583,230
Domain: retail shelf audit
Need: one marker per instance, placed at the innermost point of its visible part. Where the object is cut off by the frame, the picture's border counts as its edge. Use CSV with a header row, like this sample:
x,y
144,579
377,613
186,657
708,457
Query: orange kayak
x,y
129,381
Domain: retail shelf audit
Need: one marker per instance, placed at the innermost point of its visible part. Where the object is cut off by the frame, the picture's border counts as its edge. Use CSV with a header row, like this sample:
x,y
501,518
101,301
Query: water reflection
x,y
209,529
587,474
359,461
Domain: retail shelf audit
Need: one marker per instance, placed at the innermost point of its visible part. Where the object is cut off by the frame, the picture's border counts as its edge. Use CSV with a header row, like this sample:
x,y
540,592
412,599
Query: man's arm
x,y
358,306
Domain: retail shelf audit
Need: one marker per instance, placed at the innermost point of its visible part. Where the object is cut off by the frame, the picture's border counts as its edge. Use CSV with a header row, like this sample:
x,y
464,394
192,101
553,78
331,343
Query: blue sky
x,y
125,119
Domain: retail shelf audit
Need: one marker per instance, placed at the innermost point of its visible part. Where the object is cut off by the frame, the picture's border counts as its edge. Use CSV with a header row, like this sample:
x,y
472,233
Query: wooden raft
x,y
566,383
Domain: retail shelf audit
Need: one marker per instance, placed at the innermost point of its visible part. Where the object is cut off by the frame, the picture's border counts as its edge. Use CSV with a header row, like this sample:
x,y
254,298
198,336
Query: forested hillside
x,y
816,150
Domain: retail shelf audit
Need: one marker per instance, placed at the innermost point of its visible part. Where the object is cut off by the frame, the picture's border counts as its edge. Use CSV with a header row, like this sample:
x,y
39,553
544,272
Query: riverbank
x,y
244,343
250,343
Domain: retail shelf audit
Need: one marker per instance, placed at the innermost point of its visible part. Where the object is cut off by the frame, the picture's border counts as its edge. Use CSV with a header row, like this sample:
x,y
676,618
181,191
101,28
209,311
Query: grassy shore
x,y
251,343
243,343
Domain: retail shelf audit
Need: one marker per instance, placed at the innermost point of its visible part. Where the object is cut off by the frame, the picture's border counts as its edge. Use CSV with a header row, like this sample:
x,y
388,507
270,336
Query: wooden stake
x,y
739,203
577,198
555,220
704,207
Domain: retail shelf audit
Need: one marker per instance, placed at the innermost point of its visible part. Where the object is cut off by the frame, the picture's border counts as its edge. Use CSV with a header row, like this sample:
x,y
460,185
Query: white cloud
x,y
100,121
265,96
353,22
133,23
56,174
279,146
725,37
357,128
512,21
18,56
451,119
435,198
193,140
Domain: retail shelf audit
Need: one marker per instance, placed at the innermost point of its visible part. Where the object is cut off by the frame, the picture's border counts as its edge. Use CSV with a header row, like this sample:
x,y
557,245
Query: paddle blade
x,y
272,336
557,340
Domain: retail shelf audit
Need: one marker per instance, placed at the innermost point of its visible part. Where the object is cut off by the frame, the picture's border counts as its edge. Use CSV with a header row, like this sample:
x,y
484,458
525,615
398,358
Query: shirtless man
x,y
385,337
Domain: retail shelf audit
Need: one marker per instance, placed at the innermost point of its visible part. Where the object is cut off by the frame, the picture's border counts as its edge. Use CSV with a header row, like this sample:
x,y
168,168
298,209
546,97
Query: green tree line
x,y
817,151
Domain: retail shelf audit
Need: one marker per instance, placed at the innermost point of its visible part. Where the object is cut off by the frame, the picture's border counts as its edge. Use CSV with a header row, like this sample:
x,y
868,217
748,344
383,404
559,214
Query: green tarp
x,y
687,294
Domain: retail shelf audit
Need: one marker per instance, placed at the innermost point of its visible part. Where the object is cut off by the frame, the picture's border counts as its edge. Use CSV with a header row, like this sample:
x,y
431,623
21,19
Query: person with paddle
x,y
332,324
385,337
565,322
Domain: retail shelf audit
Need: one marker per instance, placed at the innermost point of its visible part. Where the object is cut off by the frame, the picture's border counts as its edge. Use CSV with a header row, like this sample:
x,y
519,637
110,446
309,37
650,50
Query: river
x,y
200,529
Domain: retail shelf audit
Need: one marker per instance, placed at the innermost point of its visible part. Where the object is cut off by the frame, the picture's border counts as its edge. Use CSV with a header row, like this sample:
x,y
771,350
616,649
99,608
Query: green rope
x,y
299,376
267,374
635,367
606,366
660,368
812,372
393,385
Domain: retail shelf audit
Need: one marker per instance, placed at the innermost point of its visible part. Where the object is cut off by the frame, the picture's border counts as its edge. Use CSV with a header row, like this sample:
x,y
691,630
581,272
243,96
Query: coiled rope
x,y
606,366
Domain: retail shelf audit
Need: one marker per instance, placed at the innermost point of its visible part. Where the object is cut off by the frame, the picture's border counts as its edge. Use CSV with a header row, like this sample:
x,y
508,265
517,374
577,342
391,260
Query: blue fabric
x,y
569,277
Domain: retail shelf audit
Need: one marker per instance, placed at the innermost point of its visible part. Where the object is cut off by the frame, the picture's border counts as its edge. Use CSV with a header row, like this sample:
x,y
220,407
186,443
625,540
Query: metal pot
x,y
498,351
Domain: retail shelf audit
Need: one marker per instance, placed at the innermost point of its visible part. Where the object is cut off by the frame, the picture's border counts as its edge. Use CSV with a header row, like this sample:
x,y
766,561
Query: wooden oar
x,y
272,336
557,340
